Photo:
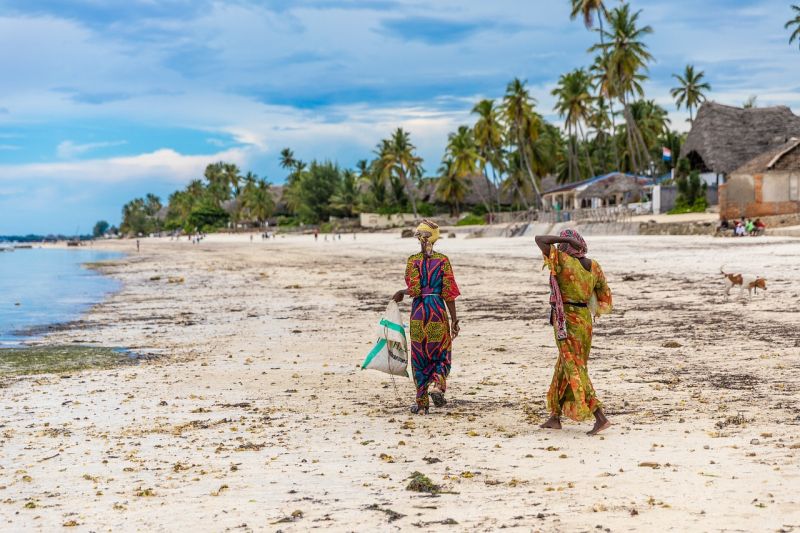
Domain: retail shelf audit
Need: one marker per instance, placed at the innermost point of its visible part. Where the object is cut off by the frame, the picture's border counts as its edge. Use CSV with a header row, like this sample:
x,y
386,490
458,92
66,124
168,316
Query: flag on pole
x,y
667,154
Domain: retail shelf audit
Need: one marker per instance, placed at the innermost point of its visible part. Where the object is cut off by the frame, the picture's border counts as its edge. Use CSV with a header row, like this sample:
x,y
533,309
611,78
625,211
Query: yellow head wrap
x,y
430,227
427,227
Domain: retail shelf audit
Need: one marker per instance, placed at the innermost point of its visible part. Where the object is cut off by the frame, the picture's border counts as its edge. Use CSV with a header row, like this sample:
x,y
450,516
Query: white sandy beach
x,y
256,417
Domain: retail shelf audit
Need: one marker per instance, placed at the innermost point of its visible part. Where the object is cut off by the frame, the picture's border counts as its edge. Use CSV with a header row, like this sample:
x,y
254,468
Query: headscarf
x,y
427,233
557,317
568,248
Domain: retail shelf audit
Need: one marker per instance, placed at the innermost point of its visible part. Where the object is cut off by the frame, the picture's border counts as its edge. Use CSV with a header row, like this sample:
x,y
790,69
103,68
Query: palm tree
x,y
257,201
587,9
690,91
488,132
522,125
574,103
345,198
795,36
451,186
399,159
287,158
515,183
626,57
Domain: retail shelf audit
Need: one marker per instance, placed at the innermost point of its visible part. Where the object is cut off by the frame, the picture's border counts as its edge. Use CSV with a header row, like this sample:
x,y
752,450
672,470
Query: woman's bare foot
x,y
600,423
552,423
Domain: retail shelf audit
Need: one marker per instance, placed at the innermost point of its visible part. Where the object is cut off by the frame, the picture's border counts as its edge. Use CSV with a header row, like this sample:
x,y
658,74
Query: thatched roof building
x,y
629,188
725,137
614,188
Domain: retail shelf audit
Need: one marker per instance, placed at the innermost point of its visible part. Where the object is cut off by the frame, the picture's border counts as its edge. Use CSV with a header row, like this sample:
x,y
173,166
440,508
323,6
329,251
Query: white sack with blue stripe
x,y
390,353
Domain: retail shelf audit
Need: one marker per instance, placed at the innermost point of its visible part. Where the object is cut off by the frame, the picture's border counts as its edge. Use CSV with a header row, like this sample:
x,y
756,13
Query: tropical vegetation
x,y
496,161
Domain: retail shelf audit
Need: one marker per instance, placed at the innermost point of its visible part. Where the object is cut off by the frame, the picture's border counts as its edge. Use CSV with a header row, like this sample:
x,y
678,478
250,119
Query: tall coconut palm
x,y
399,159
795,21
488,131
689,93
516,183
587,9
451,186
574,104
606,94
523,126
288,160
626,59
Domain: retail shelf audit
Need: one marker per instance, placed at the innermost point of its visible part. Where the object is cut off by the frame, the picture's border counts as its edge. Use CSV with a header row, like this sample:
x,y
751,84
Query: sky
x,y
103,101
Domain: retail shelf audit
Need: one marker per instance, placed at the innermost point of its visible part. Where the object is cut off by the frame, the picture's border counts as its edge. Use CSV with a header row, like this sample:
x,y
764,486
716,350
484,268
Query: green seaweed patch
x,y
422,483
99,265
60,359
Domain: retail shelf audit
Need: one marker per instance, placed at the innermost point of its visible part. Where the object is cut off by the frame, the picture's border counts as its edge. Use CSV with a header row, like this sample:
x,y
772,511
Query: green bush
x,y
471,220
326,227
288,222
207,217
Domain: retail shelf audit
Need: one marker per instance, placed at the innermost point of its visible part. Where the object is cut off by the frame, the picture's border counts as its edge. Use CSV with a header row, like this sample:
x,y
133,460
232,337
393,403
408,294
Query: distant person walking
x,y
430,281
137,245
578,291
316,234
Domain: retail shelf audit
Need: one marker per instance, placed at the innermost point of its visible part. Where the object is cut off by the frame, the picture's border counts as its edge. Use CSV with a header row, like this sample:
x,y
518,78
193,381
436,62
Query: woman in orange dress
x,y
578,291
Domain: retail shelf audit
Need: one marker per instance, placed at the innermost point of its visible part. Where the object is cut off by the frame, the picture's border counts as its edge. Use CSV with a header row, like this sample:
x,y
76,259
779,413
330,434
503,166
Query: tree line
x,y
609,124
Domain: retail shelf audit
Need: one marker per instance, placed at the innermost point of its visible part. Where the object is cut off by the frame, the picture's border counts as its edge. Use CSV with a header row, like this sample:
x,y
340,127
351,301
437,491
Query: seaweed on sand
x,y
60,359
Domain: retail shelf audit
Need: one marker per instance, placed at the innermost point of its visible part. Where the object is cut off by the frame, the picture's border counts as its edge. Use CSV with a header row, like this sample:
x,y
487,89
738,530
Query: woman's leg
x,y
600,422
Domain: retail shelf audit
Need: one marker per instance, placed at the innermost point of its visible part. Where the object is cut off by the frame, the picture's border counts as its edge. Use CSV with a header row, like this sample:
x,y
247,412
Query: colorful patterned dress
x,y
431,283
571,392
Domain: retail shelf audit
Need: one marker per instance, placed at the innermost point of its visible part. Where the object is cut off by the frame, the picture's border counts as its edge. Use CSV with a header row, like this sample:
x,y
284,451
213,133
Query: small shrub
x,y
471,220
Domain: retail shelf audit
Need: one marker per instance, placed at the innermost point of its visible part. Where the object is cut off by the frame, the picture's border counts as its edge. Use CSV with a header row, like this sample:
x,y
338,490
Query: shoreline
x,y
257,408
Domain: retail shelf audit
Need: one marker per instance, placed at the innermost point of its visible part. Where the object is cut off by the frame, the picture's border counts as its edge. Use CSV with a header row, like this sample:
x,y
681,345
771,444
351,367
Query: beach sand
x,y
254,414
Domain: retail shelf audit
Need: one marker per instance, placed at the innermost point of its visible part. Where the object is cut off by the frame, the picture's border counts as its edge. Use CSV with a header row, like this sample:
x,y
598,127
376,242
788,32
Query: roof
x,y
619,183
784,157
478,192
585,183
726,137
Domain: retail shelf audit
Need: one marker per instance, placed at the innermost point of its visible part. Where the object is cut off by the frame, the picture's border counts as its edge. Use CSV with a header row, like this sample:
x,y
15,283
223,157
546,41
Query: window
x,y
794,187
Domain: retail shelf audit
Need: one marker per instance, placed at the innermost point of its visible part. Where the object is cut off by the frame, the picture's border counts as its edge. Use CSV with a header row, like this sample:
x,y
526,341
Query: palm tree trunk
x,y
523,153
496,187
586,150
486,203
409,192
610,99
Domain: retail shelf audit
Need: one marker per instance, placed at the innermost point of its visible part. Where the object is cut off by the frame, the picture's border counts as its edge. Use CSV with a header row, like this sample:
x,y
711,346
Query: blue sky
x,y
102,101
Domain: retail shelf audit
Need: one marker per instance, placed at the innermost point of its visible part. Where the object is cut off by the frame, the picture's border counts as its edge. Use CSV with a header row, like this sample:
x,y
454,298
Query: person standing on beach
x,y
578,292
137,245
430,281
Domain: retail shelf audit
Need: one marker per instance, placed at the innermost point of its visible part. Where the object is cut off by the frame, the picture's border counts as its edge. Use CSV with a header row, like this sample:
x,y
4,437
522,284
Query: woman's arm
x,y
451,310
399,295
545,241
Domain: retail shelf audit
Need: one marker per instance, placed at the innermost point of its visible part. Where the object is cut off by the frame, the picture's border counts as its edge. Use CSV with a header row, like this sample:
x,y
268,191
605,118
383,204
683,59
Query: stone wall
x,y
678,228
743,196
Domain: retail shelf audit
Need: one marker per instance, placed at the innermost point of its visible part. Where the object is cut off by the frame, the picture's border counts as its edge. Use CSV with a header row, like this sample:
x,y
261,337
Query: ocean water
x,y
39,287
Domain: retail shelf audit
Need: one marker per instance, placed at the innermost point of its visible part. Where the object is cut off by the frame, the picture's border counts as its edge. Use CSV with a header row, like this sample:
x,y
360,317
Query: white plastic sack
x,y
390,353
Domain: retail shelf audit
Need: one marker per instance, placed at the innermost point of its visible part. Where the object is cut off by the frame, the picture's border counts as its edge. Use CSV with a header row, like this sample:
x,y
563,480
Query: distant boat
x,y
6,248
23,246
73,243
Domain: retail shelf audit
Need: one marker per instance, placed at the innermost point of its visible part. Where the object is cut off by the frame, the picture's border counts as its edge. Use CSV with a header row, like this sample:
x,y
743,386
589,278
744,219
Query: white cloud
x,y
166,164
68,149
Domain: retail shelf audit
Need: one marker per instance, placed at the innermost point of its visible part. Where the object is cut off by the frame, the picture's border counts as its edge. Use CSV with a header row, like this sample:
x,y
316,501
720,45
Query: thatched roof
x,y
616,184
582,185
784,157
479,191
724,137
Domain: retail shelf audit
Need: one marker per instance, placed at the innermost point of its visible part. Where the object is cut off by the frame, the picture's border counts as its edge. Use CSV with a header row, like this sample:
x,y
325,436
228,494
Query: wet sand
x,y
253,413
